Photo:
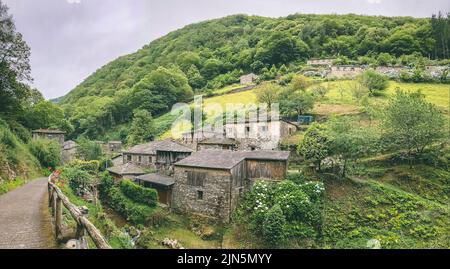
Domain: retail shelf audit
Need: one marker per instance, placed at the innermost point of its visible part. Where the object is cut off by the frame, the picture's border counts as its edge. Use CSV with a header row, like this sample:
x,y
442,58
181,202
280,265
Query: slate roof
x,y
218,141
158,179
126,169
48,131
225,159
152,147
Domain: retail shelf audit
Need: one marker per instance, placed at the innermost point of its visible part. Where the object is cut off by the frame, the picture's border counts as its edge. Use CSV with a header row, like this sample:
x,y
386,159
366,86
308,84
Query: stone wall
x,y
216,192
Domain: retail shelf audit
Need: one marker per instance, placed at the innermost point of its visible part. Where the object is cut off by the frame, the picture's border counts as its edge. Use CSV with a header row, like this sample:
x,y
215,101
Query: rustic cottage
x,y
51,134
248,79
211,182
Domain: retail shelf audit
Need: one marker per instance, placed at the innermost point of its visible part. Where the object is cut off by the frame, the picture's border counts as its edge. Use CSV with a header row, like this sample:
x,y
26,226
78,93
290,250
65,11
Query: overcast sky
x,y
70,39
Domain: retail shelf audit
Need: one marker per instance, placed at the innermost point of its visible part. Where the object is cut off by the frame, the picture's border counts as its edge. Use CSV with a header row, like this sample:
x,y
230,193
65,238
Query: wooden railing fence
x,y
57,200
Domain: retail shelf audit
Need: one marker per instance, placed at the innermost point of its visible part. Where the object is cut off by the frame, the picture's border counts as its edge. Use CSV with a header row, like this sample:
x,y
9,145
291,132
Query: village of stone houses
x,y
244,132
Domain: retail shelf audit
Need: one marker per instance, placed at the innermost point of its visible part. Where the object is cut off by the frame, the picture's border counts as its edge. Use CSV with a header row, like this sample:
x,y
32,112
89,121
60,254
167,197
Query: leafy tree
x,y
14,68
188,59
195,79
300,82
295,102
45,114
48,152
281,48
159,90
212,68
141,127
320,91
400,43
273,226
374,81
350,143
385,59
315,146
411,123
268,94
89,150
14,51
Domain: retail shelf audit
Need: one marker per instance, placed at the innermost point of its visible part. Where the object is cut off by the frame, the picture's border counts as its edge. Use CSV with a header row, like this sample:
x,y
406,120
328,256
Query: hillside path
x,y
25,221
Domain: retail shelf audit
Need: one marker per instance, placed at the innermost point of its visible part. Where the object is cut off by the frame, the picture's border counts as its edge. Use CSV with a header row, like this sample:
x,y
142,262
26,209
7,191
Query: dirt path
x,y
24,217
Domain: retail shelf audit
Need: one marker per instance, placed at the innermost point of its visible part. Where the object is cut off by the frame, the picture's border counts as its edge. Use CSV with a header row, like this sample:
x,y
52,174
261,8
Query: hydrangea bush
x,y
299,201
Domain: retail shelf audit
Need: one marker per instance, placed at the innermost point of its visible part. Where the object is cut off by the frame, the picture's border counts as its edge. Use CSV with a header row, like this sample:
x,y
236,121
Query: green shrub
x,y
78,179
138,193
133,212
273,226
10,185
92,167
48,152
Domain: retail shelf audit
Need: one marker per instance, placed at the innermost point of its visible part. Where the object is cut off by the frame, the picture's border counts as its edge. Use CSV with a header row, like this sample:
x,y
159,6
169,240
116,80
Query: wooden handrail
x,y
57,200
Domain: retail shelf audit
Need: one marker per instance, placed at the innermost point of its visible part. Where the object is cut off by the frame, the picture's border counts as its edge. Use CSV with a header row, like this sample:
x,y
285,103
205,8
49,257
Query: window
x,y
150,159
264,128
129,158
200,195
140,159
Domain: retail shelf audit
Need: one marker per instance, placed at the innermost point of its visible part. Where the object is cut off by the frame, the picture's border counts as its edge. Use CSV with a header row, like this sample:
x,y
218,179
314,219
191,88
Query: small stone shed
x,y
248,79
211,182
161,183
51,134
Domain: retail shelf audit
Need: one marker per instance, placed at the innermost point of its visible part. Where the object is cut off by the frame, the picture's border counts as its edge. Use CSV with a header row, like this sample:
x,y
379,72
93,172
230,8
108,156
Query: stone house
x,y
345,71
50,134
112,147
158,155
320,62
248,79
260,135
211,182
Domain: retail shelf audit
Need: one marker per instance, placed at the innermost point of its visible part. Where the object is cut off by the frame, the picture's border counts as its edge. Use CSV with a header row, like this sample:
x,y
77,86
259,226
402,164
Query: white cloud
x,y
74,1
374,1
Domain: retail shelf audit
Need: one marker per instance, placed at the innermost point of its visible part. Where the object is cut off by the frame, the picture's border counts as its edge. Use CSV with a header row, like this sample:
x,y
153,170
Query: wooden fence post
x,y
58,217
80,235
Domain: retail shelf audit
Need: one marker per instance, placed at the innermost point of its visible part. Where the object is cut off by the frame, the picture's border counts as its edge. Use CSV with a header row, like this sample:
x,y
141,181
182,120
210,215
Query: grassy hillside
x,y
338,101
16,161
